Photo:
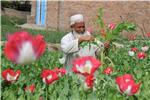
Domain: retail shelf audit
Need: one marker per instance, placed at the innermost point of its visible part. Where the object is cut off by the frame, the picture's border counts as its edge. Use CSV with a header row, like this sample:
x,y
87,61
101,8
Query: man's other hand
x,y
86,38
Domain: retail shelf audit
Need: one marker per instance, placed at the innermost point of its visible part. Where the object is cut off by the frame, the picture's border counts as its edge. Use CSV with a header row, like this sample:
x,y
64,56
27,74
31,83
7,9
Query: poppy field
x,y
29,84
29,71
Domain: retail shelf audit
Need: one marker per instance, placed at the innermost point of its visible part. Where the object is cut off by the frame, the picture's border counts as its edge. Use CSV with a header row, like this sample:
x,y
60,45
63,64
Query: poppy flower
x,y
132,37
134,49
30,88
141,55
89,81
60,71
49,76
22,48
10,75
131,53
85,65
127,85
145,48
111,26
108,70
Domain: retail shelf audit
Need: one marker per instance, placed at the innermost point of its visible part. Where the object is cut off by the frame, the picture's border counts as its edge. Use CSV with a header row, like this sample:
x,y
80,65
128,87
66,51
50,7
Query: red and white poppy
x,y
89,81
60,71
127,85
10,75
111,26
85,65
30,88
131,53
49,76
145,48
108,70
134,49
141,55
23,48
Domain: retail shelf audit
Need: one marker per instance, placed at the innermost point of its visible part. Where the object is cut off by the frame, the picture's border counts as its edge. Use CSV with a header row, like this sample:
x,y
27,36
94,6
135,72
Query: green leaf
x,y
100,20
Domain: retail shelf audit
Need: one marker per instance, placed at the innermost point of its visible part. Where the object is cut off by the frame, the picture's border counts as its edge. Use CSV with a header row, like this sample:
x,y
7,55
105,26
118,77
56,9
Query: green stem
x,y
103,79
102,57
110,61
46,93
106,82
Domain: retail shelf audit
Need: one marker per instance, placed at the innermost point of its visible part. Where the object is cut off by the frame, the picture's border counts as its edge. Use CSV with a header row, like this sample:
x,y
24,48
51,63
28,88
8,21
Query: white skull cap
x,y
76,18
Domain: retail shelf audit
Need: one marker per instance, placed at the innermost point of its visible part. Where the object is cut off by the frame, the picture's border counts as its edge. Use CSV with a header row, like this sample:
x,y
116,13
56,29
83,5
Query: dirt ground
x,y
15,13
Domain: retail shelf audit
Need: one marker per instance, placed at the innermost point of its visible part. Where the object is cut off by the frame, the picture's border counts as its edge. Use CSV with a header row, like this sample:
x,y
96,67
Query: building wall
x,y
52,15
59,12
31,18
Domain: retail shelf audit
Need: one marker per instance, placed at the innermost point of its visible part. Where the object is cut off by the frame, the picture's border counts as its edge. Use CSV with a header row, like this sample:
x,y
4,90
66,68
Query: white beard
x,y
78,35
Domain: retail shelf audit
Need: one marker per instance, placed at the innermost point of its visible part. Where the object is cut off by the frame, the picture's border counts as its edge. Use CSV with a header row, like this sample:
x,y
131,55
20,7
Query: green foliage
x,y
69,87
8,27
83,44
10,21
100,19
112,34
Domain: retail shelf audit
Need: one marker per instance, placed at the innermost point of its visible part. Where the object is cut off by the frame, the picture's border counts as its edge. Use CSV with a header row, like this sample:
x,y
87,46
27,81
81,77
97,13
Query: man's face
x,y
79,27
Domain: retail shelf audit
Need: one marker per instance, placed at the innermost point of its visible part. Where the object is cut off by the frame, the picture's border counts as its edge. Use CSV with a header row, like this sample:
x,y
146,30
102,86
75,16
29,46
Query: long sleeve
x,y
68,44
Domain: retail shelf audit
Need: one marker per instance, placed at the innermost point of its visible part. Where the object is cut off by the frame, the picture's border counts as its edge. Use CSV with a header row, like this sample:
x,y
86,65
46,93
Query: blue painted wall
x,y
41,8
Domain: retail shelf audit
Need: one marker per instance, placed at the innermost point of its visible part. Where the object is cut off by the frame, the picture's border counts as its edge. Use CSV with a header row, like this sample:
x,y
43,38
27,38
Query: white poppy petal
x,y
26,54
44,80
131,53
49,77
10,78
128,90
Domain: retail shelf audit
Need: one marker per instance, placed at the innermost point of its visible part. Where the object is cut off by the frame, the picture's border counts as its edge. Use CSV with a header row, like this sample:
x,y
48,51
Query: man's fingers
x,y
88,38
92,38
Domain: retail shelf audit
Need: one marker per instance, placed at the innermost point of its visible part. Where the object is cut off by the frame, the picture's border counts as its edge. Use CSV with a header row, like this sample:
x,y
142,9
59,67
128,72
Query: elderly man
x,y
70,43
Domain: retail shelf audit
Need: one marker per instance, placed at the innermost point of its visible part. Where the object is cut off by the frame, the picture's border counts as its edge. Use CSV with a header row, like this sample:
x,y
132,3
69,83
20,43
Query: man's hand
x,y
86,38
